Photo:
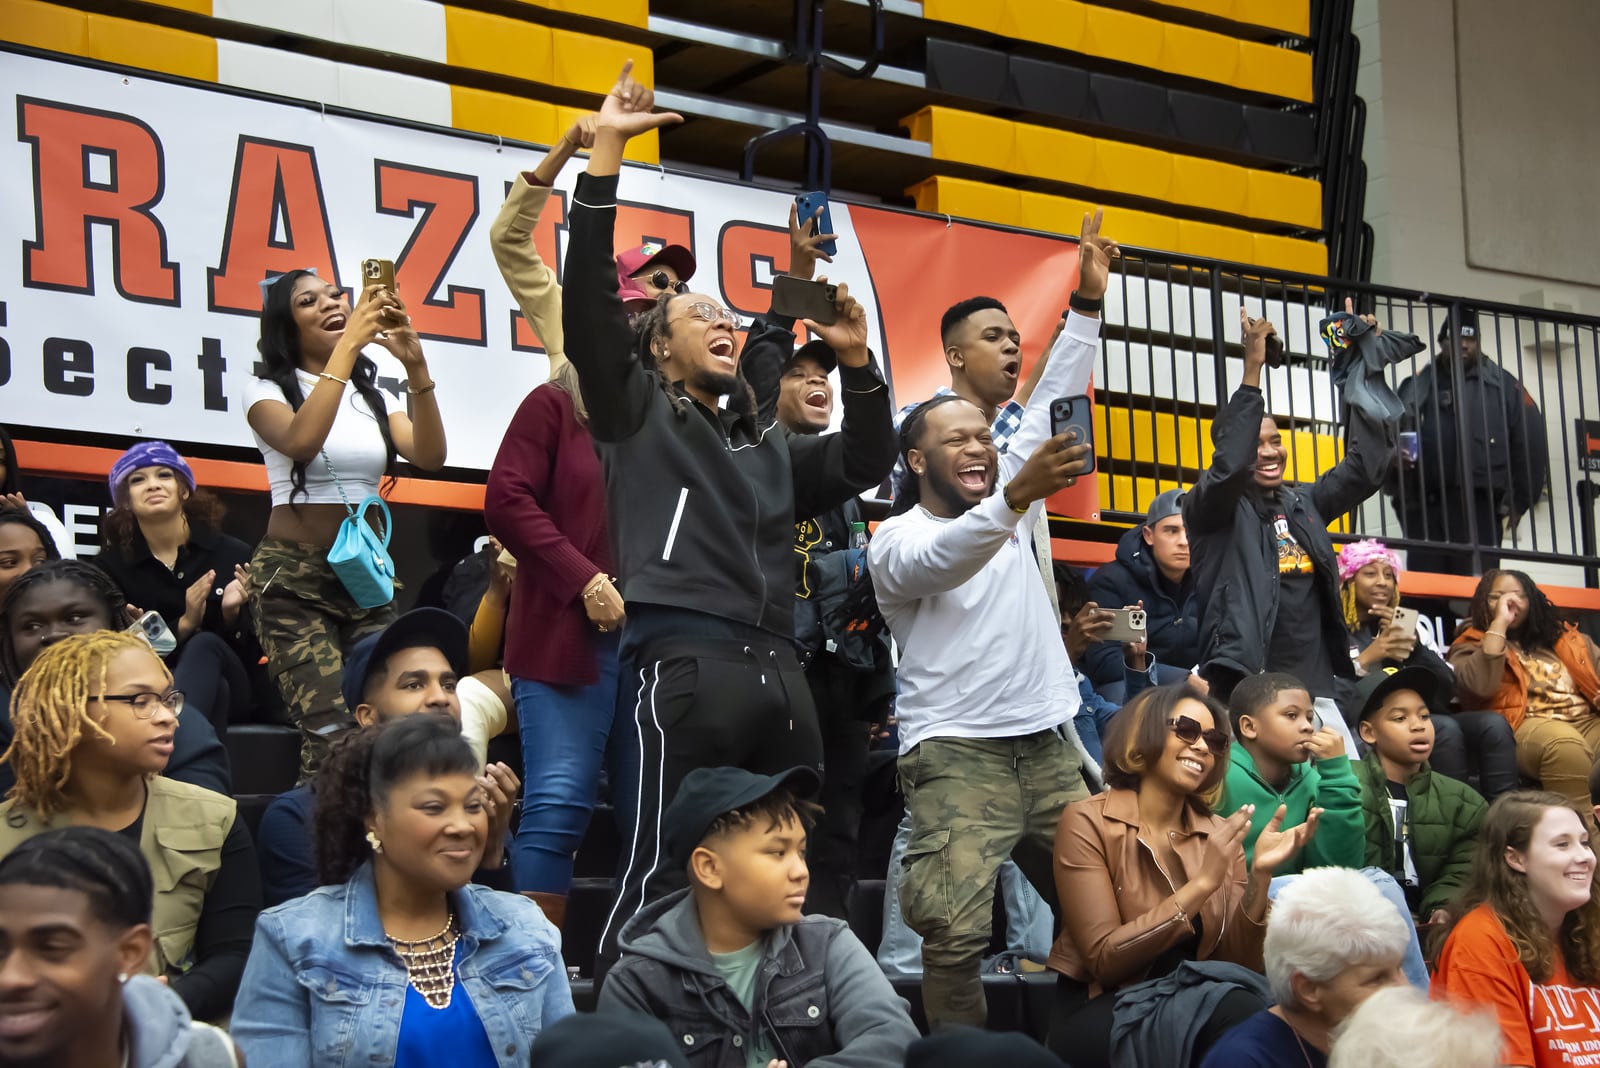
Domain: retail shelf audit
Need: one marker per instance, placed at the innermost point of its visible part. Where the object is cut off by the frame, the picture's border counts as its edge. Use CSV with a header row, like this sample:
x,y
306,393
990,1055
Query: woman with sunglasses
x,y
95,717
328,439
1155,880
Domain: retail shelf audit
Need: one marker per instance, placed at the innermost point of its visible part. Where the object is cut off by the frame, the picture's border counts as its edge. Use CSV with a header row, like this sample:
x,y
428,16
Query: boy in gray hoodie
x,y
742,978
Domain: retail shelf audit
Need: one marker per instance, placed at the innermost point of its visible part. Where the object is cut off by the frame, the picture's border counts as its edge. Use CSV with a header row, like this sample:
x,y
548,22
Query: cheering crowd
x,y
1280,827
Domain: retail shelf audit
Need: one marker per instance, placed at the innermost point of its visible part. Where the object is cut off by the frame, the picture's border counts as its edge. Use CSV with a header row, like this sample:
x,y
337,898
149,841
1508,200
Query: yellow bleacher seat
x,y
48,26
476,40
1050,214
1122,36
1133,169
1055,154
1215,242
1279,71
966,137
627,12
1289,254
198,7
1285,197
144,44
979,14
1214,185
969,200
1147,437
1194,53
500,113
1057,23
1290,16
646,148
583,61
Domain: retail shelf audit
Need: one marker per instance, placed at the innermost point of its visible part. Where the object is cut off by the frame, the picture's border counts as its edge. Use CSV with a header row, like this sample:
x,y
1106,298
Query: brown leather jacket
x,y
1118,907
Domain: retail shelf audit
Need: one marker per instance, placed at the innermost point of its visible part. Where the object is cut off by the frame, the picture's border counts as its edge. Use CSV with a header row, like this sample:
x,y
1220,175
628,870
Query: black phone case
x,y
1074,413
801,298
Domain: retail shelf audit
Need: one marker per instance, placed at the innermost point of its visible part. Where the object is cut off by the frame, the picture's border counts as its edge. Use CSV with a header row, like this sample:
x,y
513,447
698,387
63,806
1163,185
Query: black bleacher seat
x,y
1129,104
265,758
1206,120
601,848
866,912
251,808
1046,87
588,905
966,70
1285,135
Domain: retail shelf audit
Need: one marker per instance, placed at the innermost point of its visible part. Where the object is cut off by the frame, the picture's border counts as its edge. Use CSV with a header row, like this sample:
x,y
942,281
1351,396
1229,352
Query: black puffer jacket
x,y
1172,624
1233,551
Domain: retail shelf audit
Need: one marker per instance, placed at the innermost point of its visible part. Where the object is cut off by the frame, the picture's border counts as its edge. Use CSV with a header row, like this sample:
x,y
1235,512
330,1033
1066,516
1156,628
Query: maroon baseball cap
x,y
634,260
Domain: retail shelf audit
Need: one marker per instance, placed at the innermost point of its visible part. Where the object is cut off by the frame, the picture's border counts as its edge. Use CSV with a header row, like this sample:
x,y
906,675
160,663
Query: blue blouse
x,y
452,1035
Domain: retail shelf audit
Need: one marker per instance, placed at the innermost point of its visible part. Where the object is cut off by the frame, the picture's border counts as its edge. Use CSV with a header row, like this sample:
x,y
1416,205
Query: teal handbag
x,y
360,555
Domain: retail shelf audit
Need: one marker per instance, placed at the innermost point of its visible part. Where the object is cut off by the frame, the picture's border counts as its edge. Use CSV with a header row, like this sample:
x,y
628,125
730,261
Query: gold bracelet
x,y
334,378
1005,495
593,592
419,392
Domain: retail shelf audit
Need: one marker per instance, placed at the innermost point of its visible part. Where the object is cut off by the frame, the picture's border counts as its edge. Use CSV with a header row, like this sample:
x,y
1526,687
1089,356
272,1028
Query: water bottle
x,y
858,550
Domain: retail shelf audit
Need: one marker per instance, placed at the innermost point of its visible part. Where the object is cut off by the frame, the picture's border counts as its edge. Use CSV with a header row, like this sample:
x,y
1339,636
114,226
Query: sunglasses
x,y
663,281
1189,731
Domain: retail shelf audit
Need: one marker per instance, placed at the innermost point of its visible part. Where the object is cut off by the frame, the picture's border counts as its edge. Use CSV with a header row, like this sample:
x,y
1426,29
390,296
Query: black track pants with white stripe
x,y
702,703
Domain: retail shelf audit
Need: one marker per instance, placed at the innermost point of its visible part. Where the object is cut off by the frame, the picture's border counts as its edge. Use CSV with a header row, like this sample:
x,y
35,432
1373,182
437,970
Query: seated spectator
x,y
1332,941
75,925
1517,657
1399,1028
1151,568
95,717
1421,825
413,665
1525,940
25,543
1139,669
397,959
731,961
66,597
1162,905
1369,576
161,546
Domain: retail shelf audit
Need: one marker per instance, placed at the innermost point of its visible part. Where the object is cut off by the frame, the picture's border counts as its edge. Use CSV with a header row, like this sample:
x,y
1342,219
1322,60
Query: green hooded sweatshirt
x,y
1340,841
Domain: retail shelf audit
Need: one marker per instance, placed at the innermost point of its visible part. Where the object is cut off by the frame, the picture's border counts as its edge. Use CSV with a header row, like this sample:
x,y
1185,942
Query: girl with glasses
x,y
1156,882
95,717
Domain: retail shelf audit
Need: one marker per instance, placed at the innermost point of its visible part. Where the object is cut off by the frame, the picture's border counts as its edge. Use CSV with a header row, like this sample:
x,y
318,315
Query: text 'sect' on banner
x,y
137,217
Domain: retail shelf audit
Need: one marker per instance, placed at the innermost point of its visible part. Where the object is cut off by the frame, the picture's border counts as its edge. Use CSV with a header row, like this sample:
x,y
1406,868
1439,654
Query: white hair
x,y
1399,1028
1325,921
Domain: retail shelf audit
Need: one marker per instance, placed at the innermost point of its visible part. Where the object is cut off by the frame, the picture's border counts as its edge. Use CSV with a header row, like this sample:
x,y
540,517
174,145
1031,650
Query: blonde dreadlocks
x,y
50,714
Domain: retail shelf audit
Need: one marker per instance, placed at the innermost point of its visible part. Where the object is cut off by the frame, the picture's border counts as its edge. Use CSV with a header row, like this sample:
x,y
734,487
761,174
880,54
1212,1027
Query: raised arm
x,y
600,342
1235,435
764,375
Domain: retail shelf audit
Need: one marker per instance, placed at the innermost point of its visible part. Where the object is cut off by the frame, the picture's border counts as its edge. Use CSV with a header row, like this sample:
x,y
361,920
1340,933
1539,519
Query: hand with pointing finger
x,y
628,110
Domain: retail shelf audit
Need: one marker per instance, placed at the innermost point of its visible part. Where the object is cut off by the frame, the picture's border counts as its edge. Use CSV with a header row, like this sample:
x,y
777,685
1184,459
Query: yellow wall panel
x,y
143,44
480,41
588,63
47,26
503,114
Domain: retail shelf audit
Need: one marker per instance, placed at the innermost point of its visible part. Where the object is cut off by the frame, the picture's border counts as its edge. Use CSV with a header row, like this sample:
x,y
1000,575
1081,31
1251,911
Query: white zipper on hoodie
x,y
677,517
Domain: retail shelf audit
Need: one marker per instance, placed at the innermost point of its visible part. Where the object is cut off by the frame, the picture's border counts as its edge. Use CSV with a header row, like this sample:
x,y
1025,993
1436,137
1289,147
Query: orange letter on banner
x,y
95,167
545,239
277,222
740,247
639,223
449,205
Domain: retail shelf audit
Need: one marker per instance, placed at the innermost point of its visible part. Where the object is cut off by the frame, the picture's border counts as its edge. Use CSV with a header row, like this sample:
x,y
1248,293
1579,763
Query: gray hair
x,y
1399,1028
1325,921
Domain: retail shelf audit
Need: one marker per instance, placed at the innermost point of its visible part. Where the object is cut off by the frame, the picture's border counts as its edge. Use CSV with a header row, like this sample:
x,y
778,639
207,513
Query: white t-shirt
x,y
981,654
354,445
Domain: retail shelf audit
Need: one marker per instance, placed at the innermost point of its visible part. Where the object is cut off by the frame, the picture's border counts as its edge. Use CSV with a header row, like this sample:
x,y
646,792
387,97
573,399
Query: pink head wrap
x,y
1358,554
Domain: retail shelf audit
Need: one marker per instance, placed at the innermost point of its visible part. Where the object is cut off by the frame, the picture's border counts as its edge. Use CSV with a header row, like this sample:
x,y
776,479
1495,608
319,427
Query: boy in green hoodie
x,y
1422,827
1285,757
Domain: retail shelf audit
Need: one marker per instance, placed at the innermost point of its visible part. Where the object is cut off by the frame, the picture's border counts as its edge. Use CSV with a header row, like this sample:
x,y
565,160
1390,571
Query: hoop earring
x,y
372,840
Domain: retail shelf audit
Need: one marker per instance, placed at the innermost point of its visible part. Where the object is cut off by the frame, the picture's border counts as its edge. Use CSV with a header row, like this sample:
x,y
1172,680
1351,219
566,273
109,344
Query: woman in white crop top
x,y
321,423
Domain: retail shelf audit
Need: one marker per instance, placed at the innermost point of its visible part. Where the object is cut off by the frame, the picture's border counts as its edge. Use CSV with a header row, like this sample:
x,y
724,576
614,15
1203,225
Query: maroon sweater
x,y
546,502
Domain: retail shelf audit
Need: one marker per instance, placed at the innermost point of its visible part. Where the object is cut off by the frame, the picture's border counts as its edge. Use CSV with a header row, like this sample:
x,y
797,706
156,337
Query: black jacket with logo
x,y
703,503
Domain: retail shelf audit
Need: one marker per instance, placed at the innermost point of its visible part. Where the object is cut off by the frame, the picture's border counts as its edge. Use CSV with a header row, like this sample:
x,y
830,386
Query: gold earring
x,y
372,840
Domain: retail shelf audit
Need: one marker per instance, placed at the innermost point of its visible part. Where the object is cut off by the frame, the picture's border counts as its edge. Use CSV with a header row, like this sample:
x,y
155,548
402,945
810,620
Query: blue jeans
x,y
1029,925
1412,964
567,734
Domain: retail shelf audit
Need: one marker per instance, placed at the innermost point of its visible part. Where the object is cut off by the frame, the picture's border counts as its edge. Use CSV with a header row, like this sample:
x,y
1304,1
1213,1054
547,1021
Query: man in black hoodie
x,y
701,501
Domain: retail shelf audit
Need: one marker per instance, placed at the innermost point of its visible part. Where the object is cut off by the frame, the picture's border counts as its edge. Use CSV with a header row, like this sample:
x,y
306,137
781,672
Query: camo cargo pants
x,y
974,802
306,620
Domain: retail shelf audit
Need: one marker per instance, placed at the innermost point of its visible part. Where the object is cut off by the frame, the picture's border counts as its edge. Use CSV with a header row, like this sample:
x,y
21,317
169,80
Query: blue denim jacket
x,y
323,987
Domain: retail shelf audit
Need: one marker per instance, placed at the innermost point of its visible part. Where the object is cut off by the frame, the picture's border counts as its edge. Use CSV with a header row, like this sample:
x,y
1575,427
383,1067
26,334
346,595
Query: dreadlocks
x,y
1347,601
907,489
77,573
50,714
651,325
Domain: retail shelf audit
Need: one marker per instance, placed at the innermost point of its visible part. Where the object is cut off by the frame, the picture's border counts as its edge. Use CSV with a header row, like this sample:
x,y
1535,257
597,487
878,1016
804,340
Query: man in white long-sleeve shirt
x,y
986,690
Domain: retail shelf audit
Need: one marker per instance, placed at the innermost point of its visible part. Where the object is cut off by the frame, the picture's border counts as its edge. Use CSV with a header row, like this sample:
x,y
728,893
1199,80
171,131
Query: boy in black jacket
x,y
731,965
701,503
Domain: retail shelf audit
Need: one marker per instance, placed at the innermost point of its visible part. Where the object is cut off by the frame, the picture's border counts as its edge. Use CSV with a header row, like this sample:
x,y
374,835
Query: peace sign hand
x,y
1095,253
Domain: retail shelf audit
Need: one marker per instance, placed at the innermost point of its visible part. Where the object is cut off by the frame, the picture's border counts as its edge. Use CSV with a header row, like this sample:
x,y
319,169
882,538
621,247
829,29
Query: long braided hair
x,y
280,355
650,326
73,572
50,713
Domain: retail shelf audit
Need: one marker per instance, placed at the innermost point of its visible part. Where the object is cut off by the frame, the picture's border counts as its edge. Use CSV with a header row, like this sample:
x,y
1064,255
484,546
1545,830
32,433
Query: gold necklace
x,y
430,963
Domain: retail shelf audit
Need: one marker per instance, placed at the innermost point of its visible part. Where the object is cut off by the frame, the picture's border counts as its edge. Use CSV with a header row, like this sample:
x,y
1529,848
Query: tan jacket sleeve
x,y
531,281
1242,938
1477,673
1112,951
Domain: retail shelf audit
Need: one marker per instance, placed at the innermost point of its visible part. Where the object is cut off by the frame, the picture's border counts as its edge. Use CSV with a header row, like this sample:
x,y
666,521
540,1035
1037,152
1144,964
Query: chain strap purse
x,y
360,555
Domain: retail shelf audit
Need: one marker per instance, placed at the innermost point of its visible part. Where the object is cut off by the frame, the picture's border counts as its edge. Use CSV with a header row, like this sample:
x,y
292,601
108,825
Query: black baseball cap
x,y
609,1039
961,1047
432,627
1466,325
1371,690
820,351
707,793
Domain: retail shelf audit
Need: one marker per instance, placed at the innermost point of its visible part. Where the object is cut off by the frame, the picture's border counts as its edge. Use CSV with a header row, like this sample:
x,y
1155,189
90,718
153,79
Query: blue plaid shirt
x,y
1006,423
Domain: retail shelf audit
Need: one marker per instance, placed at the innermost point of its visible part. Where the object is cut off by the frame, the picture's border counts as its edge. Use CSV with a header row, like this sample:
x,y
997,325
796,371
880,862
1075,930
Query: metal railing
x,y
1172,357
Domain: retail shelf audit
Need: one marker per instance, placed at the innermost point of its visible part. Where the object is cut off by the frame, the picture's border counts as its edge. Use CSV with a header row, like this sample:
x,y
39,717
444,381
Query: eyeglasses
x,y
662,280
1189,732
710,313
143,704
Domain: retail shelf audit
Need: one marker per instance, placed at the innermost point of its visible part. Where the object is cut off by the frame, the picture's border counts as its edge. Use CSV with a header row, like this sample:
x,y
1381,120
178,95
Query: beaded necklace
x,y
430,963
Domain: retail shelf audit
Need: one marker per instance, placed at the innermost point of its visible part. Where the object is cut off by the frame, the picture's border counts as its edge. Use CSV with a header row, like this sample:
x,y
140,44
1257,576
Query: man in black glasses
x,y
701,500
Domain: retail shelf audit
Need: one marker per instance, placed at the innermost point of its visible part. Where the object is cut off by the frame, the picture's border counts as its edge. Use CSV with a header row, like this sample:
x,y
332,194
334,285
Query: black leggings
x,y
1080,1026
212,680
1479,741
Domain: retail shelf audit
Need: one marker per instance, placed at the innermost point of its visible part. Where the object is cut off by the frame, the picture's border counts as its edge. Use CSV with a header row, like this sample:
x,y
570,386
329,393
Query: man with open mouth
x,y
988,758
1264,565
